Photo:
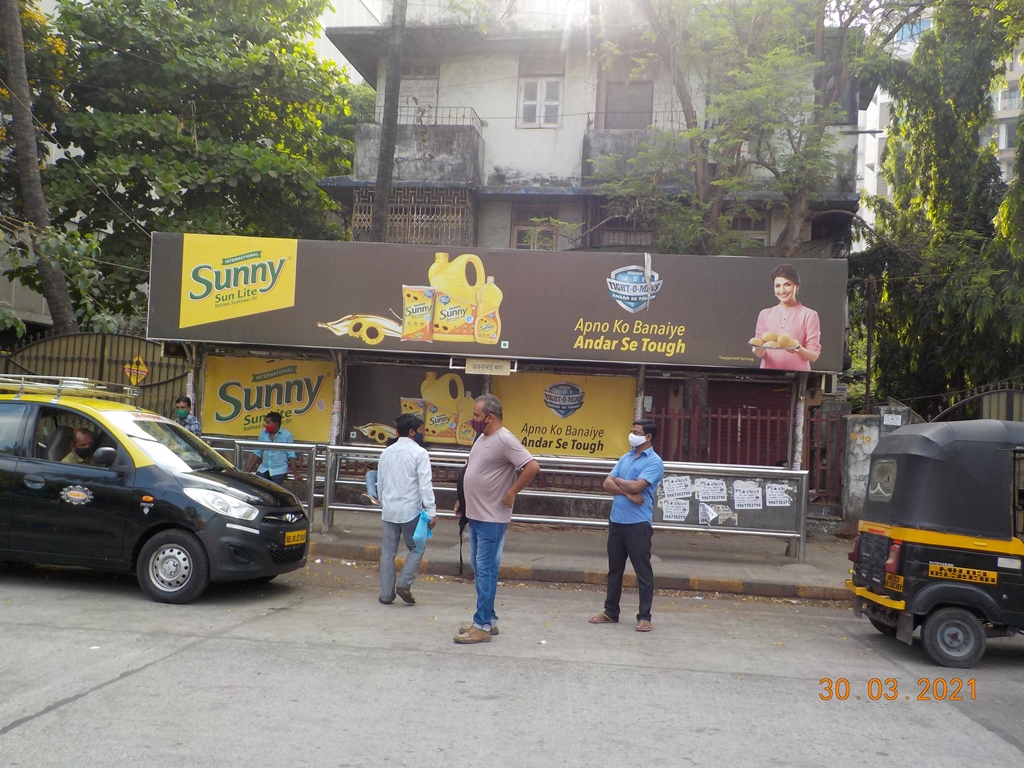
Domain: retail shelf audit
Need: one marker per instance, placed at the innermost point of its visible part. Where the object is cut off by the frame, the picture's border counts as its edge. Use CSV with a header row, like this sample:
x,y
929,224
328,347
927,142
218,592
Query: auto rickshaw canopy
x,y
955,477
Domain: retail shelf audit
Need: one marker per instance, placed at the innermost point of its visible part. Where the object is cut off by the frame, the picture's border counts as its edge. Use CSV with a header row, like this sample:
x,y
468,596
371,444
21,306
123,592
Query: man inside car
x,y
81,448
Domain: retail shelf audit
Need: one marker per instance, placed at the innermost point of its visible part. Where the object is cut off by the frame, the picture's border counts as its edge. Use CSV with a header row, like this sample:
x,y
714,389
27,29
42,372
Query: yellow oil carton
x,y
455,301
488,323
417,312
442,403
414,405
464,432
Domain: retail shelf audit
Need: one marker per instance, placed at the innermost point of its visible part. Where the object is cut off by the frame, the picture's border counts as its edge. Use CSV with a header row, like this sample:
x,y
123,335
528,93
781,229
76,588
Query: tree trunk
x,y
51,278
792,234
389,126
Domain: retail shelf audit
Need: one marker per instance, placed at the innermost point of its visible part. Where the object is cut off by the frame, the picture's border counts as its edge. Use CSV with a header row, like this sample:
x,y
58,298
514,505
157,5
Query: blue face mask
x,y
418,438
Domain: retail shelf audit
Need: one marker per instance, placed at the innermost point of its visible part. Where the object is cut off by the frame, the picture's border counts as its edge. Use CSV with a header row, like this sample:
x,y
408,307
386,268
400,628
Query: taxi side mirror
x,y
104,457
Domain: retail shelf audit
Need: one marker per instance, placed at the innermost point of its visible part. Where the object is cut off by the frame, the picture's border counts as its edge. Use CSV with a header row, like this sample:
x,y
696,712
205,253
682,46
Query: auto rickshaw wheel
x,y
882,627
953,637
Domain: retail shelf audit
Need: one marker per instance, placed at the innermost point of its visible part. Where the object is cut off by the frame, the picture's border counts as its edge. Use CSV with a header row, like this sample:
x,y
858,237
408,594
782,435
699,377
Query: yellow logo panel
x,y
224,277
937,571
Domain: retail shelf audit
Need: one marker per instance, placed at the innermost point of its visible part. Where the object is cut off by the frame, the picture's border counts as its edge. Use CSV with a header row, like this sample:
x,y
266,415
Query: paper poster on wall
x,y
676,487
587,416
709,489
777,495
746,494
675,510
240,391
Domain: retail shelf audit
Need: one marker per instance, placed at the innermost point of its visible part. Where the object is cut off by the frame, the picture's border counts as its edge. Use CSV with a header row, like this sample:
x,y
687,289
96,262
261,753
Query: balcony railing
x,y
425,114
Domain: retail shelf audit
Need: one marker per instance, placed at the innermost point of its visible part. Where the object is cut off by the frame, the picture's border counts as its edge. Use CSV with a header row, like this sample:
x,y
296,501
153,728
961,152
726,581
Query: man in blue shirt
x,y
633,482
274,465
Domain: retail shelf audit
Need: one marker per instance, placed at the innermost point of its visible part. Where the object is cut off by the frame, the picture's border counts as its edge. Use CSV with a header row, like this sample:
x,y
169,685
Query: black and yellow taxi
x,y
940,542
90,481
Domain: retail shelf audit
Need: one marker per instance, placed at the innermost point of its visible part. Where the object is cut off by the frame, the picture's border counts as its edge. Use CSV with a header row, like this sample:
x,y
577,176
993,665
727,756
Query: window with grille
x,y
754,226
421,69
532,228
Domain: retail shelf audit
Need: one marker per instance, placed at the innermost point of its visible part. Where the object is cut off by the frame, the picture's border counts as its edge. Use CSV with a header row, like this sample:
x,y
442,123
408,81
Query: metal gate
x,y
111,357
755,437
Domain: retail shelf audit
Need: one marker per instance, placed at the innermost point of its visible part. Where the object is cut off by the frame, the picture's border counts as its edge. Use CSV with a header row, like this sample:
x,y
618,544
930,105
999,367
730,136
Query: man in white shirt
x,y
404,487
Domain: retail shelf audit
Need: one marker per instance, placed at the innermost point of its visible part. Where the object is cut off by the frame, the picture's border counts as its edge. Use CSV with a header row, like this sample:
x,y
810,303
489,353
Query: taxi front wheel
x,y
173,567
953,637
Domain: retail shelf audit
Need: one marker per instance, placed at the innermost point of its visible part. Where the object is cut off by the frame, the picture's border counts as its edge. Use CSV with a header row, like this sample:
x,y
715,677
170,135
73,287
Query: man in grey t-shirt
x,y
499,467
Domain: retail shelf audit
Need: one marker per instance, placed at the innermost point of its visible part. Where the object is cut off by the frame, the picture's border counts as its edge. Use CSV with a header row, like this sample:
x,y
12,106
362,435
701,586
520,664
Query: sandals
x,y
643,626
602,618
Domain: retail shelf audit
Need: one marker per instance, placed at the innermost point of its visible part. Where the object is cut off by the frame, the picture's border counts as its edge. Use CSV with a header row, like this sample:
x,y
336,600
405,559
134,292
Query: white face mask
x,y
635,441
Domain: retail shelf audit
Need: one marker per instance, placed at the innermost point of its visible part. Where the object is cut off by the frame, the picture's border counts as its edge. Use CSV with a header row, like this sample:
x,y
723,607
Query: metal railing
x,y
576,479
427,114
566,478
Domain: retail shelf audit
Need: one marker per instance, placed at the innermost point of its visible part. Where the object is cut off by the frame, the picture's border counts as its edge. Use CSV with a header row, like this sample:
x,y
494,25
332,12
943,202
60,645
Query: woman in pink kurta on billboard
x,y
788,335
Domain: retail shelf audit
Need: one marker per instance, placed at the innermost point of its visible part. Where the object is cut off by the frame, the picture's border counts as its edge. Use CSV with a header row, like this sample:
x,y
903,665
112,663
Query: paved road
x,y
313,671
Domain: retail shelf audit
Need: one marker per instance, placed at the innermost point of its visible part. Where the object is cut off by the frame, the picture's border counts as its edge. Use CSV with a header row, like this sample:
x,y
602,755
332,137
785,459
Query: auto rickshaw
x,y
941,537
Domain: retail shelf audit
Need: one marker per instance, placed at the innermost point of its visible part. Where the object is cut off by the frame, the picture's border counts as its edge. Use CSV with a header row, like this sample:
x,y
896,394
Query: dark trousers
x,y
632,541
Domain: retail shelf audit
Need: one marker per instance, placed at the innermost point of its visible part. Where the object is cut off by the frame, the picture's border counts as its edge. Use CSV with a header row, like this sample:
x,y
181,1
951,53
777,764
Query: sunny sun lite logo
x,y
237,277
630,288
564,398
224,277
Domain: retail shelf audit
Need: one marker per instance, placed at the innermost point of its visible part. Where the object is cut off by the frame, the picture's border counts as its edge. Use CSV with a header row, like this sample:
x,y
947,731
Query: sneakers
x,y
406,595
465,629
366,498
474,635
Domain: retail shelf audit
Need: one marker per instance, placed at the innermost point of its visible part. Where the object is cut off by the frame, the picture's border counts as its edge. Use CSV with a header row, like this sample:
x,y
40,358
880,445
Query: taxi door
x,y
12,419
73,512
76,511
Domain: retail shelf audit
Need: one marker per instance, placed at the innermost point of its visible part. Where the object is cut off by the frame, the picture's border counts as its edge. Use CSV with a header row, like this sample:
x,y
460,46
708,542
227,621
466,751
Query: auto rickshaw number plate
x,y
294,537
894,582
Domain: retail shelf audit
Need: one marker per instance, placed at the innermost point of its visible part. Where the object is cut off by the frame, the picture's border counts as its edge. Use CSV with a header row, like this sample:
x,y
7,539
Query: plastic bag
x,y
422,532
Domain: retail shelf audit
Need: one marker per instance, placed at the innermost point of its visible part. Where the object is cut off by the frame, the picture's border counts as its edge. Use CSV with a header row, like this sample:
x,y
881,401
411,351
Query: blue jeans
x,y
472,561
371,483
485,552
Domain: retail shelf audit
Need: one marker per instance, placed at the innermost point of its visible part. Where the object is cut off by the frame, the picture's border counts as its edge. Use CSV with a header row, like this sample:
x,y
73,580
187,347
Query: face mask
x,y
83,453
418,438
478,425
271,427
182,413
635,441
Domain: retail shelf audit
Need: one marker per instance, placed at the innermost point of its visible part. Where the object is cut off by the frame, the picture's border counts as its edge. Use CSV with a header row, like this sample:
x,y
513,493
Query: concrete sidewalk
x,y
684,560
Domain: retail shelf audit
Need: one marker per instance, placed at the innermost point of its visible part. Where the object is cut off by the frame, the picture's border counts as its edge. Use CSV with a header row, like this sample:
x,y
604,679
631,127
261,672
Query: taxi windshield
x,y
169,445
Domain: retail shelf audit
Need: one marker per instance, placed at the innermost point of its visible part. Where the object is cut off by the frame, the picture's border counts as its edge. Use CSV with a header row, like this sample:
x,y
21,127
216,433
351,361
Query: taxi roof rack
x,y
66,385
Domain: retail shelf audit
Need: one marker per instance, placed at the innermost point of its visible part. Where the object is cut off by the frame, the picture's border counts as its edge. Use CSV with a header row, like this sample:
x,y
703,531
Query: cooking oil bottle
x,y
442,406
488,323
455,303
464,432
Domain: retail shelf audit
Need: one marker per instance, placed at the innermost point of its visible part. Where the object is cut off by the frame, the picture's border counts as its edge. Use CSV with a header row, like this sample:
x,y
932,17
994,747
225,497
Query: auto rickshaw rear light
x,y
893,561
856,549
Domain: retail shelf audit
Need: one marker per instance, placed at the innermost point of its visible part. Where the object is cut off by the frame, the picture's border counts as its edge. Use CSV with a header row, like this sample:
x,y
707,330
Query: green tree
x,y
762,85
950,307
193,116
24,213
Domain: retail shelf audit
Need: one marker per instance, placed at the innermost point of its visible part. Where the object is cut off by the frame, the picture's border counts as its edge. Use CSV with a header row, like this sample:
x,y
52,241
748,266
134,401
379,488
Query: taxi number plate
x,y
894,582
294,537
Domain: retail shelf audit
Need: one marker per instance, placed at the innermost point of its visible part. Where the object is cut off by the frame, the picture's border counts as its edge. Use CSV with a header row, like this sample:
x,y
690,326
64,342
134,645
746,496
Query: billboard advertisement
x,y
240,391
377,394
713,311
551,414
